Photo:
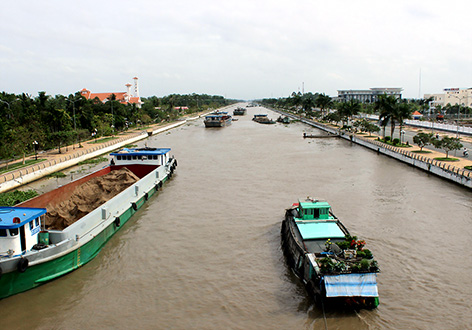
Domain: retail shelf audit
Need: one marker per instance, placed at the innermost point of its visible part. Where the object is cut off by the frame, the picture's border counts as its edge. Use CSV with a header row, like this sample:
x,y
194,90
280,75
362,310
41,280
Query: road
x,y
410,132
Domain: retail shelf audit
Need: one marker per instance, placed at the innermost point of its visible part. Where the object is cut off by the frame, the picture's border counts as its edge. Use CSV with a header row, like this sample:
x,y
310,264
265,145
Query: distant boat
x,y
239,111
218,119
263,119
283,120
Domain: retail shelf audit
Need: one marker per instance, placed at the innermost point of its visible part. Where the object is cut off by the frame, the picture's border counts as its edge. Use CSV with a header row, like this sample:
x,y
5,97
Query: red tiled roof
x,y
103,97
133,99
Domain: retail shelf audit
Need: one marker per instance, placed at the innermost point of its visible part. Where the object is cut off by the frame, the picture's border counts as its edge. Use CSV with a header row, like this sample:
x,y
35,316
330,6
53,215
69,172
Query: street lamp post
x,y
35,147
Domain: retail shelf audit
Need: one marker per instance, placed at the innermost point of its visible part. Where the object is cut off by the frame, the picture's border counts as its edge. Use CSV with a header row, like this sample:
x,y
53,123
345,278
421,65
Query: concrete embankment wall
x,y
28,174
442,169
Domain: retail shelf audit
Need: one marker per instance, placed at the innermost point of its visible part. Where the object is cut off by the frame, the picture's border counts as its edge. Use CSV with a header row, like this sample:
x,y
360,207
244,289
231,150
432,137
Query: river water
x,y
205,252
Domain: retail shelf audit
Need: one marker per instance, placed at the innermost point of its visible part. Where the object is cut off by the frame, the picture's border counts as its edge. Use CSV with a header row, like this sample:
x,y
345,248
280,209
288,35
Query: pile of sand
x,y
87,197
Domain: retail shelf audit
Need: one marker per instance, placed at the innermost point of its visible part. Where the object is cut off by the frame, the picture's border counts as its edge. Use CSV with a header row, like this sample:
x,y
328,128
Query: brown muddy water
x,y
205,253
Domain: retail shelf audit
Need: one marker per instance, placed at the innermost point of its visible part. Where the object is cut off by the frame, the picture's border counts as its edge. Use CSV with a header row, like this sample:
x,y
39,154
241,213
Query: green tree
x,y
403,112
349,109
447,144
387,107
324,101
423,139
308,103
296,100
333,117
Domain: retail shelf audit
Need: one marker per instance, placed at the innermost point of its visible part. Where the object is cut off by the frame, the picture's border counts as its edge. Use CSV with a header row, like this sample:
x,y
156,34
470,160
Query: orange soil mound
x,y
87,197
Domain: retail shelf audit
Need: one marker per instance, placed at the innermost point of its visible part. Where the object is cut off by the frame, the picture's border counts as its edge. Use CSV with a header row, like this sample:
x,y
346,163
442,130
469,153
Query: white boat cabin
x,y
19,229
143,156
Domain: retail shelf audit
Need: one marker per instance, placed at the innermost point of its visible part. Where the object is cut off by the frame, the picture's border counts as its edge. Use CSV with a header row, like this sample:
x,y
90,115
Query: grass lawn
x,y
422,151
105,139
448,159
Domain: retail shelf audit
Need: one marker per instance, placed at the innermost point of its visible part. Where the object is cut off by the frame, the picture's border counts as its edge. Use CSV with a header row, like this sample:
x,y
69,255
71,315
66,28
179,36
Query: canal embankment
x,y
55,161
443,169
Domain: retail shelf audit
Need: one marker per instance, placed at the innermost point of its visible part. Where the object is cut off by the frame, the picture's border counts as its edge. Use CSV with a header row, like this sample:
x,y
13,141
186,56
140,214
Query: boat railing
x,y
315,220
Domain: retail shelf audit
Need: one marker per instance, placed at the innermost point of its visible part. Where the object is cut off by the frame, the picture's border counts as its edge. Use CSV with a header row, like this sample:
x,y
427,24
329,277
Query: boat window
x,y
14,232
129,157
36,222
31,225
118,158
3,233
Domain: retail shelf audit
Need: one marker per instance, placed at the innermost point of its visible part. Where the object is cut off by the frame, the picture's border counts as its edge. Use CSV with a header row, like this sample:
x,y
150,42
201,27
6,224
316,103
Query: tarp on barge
x,y
318,230
351,285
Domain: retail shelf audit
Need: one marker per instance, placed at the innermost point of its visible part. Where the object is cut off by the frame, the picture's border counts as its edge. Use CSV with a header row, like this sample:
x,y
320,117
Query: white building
x,y
452,96
367,95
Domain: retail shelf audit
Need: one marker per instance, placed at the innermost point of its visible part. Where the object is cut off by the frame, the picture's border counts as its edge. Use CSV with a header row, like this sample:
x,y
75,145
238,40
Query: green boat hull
x,y
15,282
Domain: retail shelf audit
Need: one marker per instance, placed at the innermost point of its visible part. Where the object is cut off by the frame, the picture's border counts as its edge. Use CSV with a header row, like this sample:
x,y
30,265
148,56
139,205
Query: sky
x,y
244,49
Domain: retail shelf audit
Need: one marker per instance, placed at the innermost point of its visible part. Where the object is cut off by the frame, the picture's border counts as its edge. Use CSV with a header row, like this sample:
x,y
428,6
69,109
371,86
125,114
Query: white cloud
x,y
241,49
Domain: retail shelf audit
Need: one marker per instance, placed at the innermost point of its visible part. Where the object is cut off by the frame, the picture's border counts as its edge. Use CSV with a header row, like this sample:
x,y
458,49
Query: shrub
x,y
327,265
396,141
364,264
387,139
12,198
344,245
368,253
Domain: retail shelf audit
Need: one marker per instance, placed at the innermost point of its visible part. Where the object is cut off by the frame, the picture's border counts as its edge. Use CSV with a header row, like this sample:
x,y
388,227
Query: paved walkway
x,y
460,163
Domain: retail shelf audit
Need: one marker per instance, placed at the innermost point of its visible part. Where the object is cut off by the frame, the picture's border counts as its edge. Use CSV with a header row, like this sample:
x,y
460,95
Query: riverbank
x,y
74,154
454,171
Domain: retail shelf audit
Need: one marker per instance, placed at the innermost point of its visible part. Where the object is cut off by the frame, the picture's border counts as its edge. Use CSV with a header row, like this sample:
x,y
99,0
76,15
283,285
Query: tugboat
x,y
262,119
55,233
334,266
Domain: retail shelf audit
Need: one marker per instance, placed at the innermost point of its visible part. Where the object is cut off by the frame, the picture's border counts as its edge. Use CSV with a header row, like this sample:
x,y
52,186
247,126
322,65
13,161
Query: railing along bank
x,y
48,163
445,170
28,174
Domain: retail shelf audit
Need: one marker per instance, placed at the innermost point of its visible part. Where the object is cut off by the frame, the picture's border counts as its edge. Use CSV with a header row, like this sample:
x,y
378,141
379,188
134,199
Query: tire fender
x,y
22,265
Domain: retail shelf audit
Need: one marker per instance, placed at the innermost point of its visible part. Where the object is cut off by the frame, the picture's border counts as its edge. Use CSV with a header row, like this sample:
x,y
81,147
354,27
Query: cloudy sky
x,y
242,49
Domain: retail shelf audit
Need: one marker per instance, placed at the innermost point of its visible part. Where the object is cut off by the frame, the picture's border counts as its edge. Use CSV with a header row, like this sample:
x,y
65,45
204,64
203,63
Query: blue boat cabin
x,y
19,229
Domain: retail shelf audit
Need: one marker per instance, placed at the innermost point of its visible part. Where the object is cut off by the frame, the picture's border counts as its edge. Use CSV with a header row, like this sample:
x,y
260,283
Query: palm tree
x,y
403,112
387,107
307,103
350,108
296,100
324,101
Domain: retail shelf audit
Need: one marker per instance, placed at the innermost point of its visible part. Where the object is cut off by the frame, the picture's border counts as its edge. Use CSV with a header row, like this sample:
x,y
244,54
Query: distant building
x,y
367,96
452,96
122,97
